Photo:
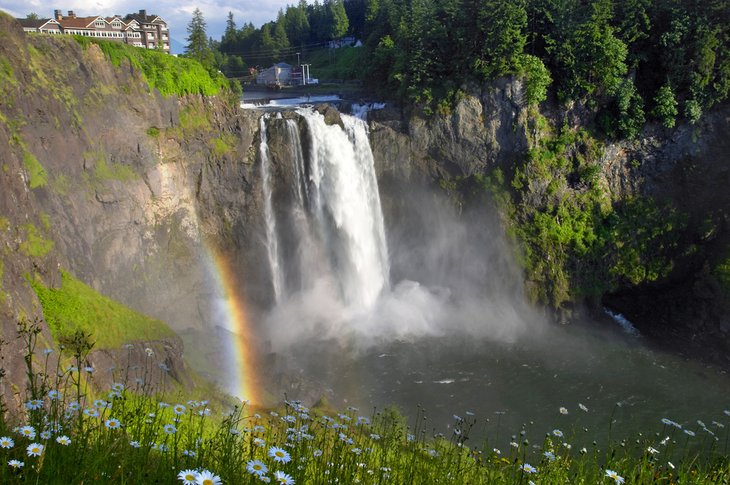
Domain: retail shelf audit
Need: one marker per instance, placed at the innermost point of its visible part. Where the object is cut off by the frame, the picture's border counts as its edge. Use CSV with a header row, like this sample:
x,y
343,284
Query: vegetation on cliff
x,y
75,306
168,74
575,241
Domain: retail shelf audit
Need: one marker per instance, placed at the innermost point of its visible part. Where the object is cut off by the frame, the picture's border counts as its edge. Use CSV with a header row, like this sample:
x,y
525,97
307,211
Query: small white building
x,y
277,75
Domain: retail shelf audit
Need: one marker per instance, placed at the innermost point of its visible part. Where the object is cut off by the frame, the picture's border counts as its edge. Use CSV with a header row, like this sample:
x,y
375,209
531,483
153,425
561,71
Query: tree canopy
x,y
622,58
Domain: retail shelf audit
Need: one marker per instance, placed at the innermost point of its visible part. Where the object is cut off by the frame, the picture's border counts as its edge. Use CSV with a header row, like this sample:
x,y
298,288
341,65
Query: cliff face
x,y
686,168
127,190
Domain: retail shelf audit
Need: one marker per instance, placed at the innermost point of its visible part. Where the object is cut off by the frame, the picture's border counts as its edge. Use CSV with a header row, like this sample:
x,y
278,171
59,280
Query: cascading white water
x,y
336,231
272,242
346,202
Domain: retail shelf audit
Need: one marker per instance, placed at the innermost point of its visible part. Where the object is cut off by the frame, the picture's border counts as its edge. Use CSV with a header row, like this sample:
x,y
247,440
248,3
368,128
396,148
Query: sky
x,y
176,13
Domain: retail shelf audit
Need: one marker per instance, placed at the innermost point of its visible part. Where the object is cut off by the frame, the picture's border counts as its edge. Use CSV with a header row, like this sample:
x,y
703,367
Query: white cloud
x,y
175,13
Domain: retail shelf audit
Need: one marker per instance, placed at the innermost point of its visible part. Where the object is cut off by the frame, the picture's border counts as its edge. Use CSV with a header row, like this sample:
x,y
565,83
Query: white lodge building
x,y
137,29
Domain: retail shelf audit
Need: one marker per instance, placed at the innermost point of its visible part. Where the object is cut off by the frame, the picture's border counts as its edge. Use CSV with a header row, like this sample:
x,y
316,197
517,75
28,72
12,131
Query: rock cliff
x,y
128,190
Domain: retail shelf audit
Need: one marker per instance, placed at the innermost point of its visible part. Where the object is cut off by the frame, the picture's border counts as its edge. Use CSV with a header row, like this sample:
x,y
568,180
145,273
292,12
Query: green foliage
x,y
630,110
197,47
665,106
575,242
170,75
38,175
104,171
222,145
346,63
75,306
721,271
692,111
641,236
34,244
501,32
153,131
537,78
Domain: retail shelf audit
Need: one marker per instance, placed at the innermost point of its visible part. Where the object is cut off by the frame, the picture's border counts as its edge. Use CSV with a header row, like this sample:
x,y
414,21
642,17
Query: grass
x,y
76,306
134,435
336,64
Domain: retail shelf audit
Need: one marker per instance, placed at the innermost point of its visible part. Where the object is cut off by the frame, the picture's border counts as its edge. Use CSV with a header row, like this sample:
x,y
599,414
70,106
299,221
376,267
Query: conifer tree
x,y
198,47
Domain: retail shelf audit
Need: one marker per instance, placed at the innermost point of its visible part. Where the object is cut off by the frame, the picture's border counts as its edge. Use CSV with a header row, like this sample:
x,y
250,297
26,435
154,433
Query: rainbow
x,y
242,365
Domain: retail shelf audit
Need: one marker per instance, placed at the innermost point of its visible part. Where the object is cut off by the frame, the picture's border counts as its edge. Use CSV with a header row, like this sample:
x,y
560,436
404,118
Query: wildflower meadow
x,y
70,431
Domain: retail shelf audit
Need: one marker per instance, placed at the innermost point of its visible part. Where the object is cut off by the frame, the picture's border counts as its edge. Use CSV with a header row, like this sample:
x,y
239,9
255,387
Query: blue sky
x,y
177,13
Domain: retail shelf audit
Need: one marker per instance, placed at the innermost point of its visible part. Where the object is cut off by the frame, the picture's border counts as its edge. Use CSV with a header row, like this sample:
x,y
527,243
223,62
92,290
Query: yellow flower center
x,y
207,481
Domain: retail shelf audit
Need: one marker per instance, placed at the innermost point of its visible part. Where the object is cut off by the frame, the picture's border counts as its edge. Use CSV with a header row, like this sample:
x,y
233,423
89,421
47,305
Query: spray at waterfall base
x,y
344,278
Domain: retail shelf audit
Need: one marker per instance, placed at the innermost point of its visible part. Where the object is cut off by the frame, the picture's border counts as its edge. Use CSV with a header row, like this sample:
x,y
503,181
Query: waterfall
x,y
272,242
335,219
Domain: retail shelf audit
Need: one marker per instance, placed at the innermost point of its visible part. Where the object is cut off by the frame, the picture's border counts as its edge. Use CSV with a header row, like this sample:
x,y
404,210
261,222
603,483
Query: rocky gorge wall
x,y
129,191
685,169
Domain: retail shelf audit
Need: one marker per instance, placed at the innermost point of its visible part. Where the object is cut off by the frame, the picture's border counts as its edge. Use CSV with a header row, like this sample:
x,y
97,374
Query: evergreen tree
x,y
229,36
665,106
198,47
297,24
337,22
501,29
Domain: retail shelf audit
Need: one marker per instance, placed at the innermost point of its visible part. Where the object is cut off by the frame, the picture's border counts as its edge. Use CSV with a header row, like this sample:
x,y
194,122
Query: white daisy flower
x,y
92,413
283,478
35,449
34,404
563,410
178,409
206,477
557,433
27,432
616,477
112,423
279,454
527,468
170,428
6,442
257,467
16,464
63,440
188,477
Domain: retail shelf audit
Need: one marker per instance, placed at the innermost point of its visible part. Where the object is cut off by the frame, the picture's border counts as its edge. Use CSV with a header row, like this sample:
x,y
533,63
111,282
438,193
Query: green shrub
x,y
665,106
537,78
